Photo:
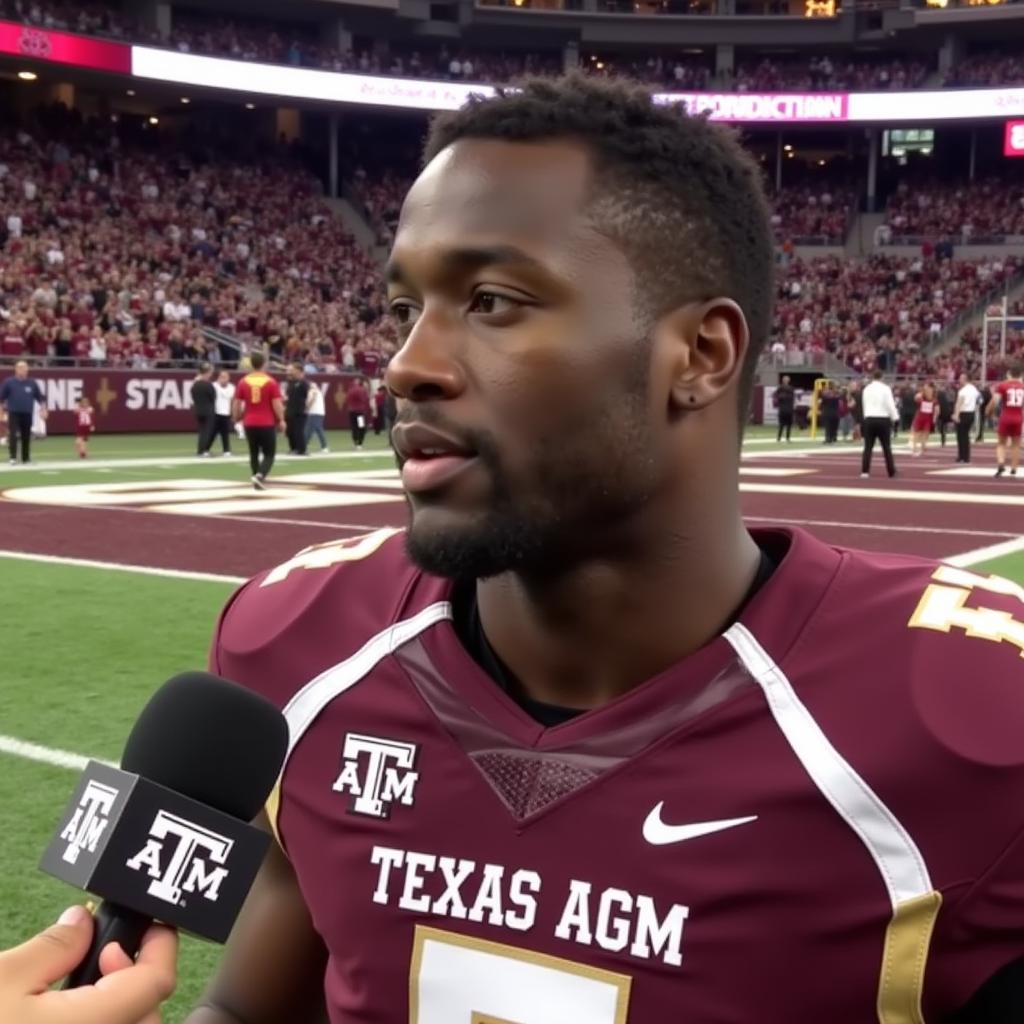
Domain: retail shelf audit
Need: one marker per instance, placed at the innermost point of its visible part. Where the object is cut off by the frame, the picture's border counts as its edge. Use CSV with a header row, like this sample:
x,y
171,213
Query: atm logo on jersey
x,y
378,773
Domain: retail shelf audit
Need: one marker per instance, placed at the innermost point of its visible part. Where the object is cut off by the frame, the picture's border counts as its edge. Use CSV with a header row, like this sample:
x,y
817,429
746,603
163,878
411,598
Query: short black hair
x,y
877,375
679,195
1015,370
299,365
257,359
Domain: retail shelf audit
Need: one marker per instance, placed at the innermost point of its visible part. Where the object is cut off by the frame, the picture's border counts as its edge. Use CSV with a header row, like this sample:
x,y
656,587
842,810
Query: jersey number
x,y
255,390
943,606
459,980
331,553
1015,398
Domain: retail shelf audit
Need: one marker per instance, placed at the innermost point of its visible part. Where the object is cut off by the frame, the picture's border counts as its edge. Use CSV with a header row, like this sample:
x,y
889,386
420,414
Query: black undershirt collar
x,y
469,629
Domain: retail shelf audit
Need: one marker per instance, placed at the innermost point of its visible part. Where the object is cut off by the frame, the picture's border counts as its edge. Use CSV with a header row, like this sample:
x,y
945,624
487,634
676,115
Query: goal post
x,y
1006,321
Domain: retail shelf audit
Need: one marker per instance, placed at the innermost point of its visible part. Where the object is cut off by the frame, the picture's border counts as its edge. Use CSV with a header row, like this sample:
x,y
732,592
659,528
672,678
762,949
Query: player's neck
x,y
586,637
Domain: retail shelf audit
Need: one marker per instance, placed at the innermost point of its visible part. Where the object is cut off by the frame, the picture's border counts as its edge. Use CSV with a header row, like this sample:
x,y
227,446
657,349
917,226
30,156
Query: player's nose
x,y
427,367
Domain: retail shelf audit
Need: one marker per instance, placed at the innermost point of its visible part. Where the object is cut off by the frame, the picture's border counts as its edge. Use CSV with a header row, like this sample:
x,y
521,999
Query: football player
x,y
578,746
1009,394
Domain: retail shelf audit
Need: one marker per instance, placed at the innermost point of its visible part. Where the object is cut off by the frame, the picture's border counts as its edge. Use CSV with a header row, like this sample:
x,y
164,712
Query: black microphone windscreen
x,y
211,740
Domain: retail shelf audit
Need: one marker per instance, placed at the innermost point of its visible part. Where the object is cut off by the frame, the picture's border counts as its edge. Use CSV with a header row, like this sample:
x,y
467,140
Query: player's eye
x,y
406,313
490,303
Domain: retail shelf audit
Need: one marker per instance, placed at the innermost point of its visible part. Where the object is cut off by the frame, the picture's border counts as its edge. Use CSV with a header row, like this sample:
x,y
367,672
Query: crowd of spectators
x,y
307,45
123,256
881,313
979,70
988,210
88,18
381,198
813,214
827,74
665,71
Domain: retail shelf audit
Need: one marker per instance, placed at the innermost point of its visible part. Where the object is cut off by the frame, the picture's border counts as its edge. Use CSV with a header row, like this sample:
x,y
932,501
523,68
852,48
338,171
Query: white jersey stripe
x,y
303,709
898,859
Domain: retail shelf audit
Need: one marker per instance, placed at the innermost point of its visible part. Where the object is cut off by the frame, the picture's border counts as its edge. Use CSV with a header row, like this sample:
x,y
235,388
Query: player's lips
x,y
430,458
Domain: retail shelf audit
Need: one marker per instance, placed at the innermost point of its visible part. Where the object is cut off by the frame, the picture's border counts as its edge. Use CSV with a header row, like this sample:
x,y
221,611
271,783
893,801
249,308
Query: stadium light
x,y
185,99
788,148
27,76
154,120
250,106
131,92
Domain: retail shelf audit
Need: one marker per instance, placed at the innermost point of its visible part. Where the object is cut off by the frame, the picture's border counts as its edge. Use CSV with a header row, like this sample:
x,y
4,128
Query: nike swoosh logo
x,y
657,833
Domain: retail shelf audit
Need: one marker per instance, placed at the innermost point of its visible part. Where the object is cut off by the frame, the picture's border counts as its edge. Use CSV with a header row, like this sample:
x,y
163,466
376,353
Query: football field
x,y
113,572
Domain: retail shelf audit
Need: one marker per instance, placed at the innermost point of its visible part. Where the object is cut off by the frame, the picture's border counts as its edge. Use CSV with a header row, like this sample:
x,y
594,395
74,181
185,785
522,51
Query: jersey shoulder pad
x,y
287,625
955,638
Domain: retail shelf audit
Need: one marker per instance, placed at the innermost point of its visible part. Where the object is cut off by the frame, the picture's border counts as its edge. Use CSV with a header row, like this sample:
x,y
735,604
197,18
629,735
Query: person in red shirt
x,y
1010,396
259,406
85,427
357,401
924,419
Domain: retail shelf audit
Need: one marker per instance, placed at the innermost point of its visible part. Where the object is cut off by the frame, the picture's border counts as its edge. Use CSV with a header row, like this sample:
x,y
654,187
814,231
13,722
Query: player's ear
x,y
704,345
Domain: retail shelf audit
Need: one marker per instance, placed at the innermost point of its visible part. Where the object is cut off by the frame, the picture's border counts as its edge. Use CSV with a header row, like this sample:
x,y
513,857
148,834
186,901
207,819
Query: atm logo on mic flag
x,y
181,857
90,820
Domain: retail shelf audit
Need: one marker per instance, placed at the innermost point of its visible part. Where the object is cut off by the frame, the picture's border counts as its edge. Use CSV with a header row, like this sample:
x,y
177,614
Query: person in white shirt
x,y
225,392
315,413
880,413
967,399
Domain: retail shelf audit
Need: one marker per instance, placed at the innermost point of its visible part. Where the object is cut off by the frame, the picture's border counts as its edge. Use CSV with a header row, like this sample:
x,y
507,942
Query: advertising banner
x,y
64,48
145,401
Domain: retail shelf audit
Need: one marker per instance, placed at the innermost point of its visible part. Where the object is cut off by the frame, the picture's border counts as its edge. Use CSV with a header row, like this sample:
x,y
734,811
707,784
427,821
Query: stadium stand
x,y
880,313
121,256
989,210
824,73
986,69
125,256
813,214
299,44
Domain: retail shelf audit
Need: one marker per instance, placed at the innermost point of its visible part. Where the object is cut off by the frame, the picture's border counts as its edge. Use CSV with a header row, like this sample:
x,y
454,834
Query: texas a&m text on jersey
x,y
783,801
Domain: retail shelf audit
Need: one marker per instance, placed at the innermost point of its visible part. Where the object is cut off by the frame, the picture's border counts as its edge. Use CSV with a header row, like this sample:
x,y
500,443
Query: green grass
x,y
121,447
100,642
1009,566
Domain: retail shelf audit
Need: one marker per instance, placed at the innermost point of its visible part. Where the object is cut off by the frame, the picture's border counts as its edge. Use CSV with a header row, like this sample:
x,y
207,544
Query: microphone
x,y
167,835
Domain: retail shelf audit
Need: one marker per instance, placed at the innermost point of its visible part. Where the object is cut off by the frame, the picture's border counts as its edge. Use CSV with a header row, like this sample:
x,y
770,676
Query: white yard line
x,y
321,524
45,755
142,570
190,460
951,530
887,494
1007,547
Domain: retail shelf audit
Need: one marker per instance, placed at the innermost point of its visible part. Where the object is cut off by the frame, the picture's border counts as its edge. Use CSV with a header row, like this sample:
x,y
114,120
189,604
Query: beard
x,y
581,492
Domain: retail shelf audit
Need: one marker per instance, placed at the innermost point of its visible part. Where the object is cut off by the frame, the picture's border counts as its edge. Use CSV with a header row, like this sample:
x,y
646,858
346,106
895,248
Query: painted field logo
x,y
178,857
90,820
377,772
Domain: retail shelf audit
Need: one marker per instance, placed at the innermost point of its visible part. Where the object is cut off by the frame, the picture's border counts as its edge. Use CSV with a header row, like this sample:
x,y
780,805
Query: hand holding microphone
x,y
167,836
128,993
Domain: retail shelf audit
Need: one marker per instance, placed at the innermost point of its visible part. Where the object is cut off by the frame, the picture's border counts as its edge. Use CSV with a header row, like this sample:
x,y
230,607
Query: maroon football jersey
x,y
815,817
